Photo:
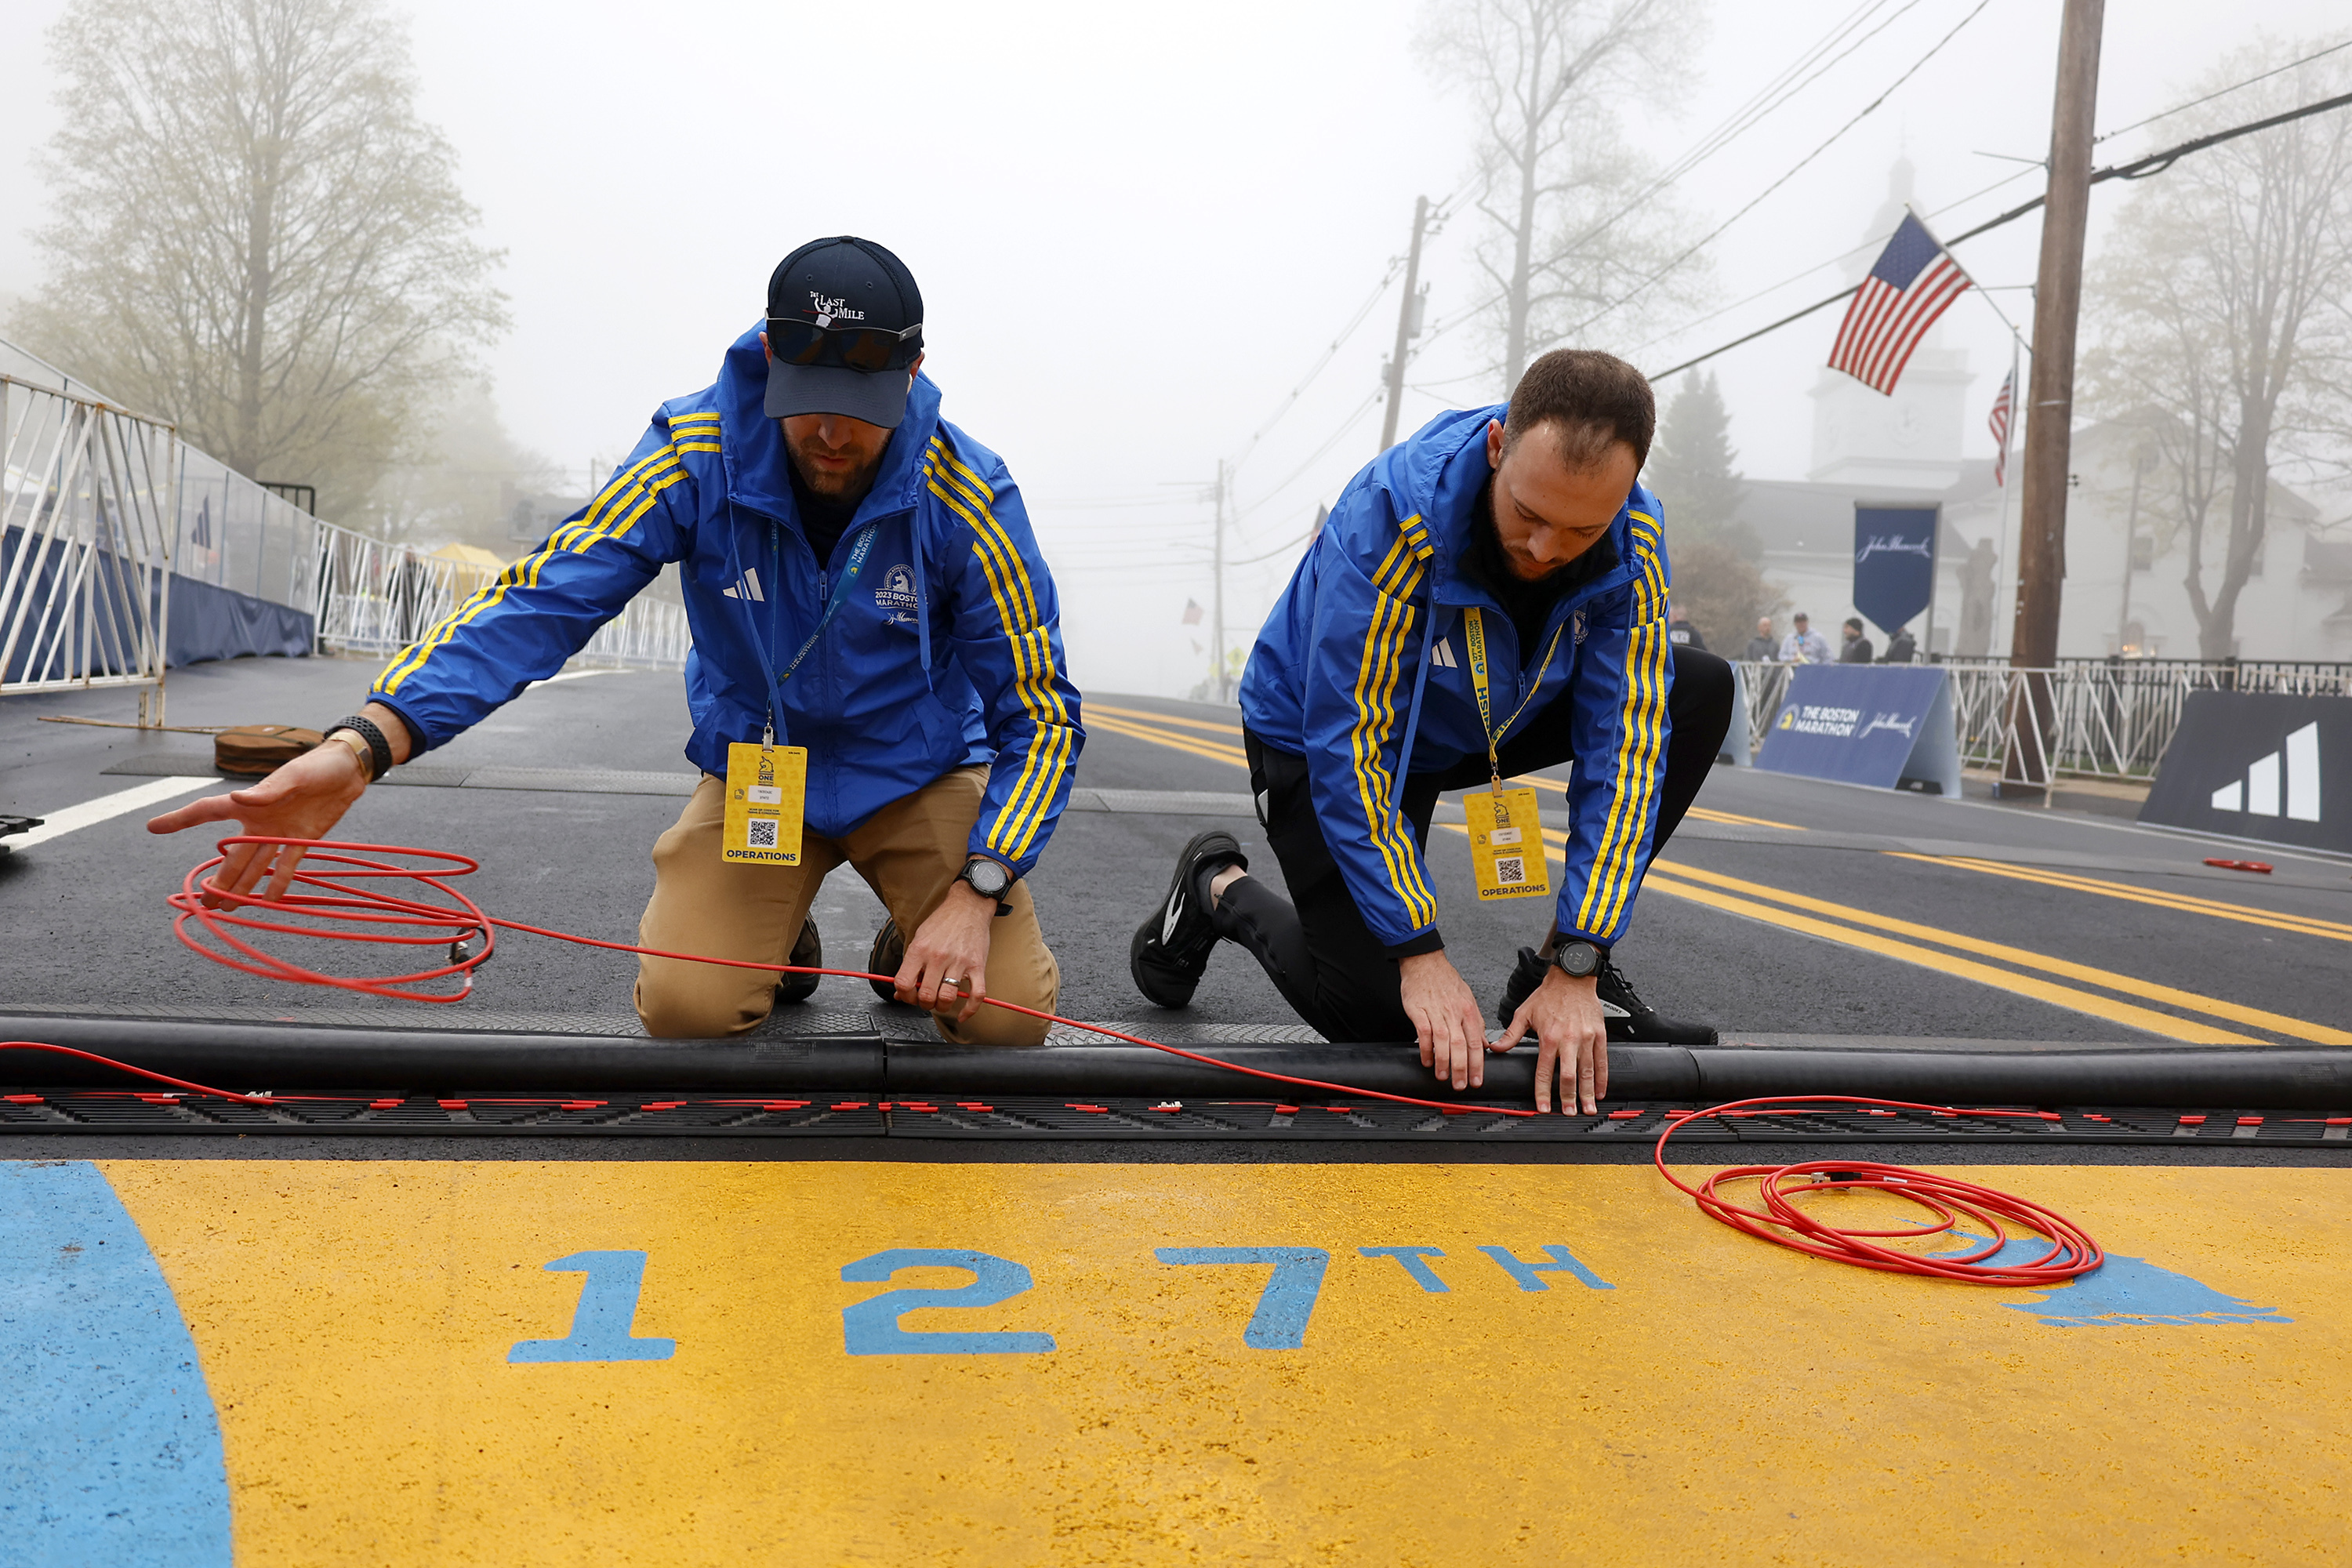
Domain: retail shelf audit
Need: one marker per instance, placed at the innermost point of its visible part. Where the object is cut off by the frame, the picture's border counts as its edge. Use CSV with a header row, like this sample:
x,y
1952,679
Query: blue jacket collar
x,y
1436,475
754,446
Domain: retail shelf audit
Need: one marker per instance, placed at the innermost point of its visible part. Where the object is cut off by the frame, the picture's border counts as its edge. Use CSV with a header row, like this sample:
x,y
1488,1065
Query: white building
x,y
2126,557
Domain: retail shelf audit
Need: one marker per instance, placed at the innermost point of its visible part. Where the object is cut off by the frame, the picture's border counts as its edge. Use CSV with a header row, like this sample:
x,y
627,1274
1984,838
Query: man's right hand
x,y
1446,1017
303,799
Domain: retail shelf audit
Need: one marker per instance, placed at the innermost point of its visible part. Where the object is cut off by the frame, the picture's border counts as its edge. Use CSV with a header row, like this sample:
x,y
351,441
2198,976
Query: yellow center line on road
x,y
2188,1001
1662,876
1701,812
1094,708
1215,751
2306,925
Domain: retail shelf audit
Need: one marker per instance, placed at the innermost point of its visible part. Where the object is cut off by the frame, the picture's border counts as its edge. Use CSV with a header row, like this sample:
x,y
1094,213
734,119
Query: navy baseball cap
x,y
844,328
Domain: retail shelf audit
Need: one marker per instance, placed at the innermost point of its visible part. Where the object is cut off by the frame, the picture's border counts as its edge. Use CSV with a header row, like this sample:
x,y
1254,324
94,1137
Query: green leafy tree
x,y
256,237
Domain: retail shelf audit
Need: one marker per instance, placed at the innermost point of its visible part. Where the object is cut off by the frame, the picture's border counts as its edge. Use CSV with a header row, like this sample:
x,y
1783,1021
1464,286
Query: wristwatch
x,y
989,878
1578,959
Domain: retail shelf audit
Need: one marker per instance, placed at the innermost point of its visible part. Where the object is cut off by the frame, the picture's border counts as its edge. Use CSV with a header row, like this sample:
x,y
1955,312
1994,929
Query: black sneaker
x,y
1171,948
890,950
808,951
1629,1020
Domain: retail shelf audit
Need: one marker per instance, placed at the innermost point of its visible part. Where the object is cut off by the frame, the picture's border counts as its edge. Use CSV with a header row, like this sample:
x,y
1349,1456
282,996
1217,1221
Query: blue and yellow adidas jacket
x,y
1331,680
947,651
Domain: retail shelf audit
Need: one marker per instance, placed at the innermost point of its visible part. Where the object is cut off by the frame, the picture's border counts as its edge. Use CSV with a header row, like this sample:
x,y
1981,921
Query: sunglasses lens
x,y
868,351
797,343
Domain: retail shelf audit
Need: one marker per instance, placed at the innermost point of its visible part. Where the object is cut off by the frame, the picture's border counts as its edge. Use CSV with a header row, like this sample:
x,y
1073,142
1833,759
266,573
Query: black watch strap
x,y
979,866
379,748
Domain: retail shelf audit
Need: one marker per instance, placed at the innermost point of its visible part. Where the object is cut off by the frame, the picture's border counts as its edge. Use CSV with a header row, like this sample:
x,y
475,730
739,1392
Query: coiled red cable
x,y
1784,1220
348,895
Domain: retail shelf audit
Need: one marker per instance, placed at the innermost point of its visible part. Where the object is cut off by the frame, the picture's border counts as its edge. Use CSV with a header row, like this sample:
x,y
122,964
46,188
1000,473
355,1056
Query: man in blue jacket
x,y
1488,598
861,582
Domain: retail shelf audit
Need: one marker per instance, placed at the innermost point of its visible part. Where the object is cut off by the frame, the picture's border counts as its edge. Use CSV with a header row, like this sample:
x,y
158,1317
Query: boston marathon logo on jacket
x,y
948,657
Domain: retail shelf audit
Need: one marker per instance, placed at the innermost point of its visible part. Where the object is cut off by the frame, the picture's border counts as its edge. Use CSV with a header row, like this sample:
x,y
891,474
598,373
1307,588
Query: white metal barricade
x,y
87,496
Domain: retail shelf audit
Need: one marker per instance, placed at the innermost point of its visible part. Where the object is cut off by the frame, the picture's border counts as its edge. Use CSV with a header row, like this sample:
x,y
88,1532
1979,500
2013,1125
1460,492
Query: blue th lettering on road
x,y
110,1447
1530,1275
1411,1258
1280,1321
871,1326
603,1324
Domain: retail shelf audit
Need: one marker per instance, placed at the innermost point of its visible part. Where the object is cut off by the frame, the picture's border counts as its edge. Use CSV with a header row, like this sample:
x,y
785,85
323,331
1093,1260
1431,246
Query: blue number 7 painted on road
x,y
1280,1321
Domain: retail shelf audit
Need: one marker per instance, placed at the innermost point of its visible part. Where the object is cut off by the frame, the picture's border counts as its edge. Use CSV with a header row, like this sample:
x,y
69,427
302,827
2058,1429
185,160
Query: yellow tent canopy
x,y
475,568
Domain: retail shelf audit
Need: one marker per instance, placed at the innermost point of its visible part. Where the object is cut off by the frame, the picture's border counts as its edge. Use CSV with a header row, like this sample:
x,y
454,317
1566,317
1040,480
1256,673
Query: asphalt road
x,y
1892,945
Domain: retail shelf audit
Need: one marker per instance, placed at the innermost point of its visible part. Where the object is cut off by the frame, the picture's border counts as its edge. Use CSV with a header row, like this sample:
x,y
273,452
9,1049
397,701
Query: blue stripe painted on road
x,y
110,1447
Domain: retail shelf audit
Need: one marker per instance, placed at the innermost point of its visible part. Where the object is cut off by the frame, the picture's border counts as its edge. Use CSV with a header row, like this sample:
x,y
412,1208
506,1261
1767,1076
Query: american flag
x,y
1915,281
2000,423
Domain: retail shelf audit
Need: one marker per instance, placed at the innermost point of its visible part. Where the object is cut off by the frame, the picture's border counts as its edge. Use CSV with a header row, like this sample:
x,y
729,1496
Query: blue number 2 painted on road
x,y
871,1327
607,1311
1280,1321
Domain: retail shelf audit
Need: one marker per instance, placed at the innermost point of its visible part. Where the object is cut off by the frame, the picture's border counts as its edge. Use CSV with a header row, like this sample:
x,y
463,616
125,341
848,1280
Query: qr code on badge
x,y
1510,868
761,834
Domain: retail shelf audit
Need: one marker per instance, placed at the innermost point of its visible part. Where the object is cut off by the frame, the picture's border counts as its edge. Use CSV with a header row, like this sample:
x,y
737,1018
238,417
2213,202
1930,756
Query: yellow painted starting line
x,y
2302,925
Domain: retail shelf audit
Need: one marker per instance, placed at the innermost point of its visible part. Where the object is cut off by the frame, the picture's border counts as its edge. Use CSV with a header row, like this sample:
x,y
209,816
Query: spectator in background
x,y
1857,648
1803,645
1901,648
1680,631
1763,647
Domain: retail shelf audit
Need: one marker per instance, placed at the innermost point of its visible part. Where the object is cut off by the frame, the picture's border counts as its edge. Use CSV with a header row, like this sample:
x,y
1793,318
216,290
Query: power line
x,y
1717,232
2137,169
2224,92
1728,130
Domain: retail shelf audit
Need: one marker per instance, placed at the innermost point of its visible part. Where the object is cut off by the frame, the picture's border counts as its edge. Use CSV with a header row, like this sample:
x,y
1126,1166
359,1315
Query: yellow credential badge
x,y
1506,844
765,787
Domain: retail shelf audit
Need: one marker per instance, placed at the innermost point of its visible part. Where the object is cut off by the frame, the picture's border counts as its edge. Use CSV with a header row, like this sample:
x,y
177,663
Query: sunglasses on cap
x,y
796,342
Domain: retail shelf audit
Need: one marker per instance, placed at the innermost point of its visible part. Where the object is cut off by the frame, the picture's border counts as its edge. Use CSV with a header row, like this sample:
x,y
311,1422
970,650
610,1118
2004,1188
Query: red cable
x,y
454,924
2072,1251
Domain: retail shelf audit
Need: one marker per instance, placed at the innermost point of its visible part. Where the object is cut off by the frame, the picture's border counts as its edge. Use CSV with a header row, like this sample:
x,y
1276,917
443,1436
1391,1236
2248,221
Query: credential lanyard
x,y
1474,623
858,553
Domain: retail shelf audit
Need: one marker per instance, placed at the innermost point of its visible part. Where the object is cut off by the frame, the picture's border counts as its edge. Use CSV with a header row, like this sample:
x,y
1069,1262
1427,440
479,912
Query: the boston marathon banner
x,y
2255,766
1886,725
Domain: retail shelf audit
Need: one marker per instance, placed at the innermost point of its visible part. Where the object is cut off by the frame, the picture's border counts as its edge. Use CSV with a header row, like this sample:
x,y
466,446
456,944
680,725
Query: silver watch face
x,y
988,878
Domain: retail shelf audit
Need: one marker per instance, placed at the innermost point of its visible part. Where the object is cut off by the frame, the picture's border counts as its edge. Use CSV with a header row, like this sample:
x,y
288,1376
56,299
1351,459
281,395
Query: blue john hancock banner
x,y
1893,562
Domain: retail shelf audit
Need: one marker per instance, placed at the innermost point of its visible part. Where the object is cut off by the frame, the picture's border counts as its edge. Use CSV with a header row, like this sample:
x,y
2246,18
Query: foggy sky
x,y
1135,229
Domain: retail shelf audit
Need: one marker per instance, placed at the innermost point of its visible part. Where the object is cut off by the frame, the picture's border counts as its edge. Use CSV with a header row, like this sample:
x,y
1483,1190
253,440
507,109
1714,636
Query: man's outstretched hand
x,y
1573,1041
1445,1019
303,799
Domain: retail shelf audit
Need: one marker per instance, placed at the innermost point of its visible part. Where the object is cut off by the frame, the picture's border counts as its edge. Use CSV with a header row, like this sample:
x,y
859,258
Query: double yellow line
x,y
1949,952
1130,722
1907,941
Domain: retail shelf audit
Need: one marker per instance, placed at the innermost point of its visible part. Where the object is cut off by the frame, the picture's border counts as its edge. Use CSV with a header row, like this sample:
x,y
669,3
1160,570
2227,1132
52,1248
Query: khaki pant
x,y
907,852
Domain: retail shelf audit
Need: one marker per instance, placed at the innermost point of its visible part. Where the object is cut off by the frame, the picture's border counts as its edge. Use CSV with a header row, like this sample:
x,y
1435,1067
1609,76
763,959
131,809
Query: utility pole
x,y
2050,402
1217,597
1408,323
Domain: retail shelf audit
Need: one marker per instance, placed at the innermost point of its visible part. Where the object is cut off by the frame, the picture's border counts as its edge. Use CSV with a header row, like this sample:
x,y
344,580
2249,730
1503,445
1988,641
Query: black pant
x,y
1313,945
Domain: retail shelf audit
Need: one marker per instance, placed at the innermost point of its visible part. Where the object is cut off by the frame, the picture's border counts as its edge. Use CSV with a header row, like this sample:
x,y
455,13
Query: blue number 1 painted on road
x,y
871,1327
607,1311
